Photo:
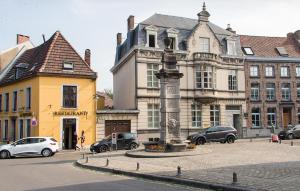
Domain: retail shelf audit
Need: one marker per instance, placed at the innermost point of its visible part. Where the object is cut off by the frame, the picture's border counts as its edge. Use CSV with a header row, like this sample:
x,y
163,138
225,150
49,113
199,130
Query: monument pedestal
x,y
175,147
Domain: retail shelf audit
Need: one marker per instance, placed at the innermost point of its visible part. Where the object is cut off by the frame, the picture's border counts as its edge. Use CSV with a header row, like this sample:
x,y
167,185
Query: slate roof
x,y
264,46
185,26
48,58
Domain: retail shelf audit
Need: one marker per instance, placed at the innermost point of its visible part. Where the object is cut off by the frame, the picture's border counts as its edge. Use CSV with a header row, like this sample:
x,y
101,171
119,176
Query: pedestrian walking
x,y
82,139
75,141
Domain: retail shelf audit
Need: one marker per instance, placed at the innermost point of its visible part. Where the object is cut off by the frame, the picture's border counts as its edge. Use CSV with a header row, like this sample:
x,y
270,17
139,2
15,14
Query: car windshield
x,y
107,138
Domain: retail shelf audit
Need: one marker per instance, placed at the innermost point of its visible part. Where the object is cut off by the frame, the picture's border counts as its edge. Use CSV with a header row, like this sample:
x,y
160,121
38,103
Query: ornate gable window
x,y
231,47
151,36
173,34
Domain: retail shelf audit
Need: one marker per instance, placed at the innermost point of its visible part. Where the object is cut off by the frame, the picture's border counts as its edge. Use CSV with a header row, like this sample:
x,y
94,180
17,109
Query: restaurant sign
x,y
70,113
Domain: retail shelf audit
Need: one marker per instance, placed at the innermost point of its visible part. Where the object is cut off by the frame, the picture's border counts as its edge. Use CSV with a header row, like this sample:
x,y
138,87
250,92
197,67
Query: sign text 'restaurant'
x,y
73,113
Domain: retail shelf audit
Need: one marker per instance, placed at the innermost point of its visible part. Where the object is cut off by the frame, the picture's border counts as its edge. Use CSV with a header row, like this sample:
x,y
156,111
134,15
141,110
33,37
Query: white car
x,y
45,146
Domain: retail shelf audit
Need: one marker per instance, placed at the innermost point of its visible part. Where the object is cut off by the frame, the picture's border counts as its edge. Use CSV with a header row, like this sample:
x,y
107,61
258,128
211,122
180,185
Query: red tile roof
x,y
266,46
48,59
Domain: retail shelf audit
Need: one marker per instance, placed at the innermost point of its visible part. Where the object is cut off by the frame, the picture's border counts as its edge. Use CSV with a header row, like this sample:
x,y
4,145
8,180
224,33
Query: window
x,y
255,118
204,44
254,92
232,80
269,71
298,71
152,40
173,43
69,96
282,51
153,115
298,90
298,115
28,127
28,98
152,80
204,77
231,48
68,65
248,51
270,91
196,115
5,133
0,102
214,115
271,117
253,71
21,135
15,101
284,71
285,92
6,102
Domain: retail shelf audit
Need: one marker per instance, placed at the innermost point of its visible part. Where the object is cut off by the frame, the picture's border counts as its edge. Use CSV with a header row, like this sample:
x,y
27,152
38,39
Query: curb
x,y
185,182
133,155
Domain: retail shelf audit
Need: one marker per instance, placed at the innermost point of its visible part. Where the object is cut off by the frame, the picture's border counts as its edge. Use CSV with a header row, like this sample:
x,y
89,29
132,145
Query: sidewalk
x,y
259,165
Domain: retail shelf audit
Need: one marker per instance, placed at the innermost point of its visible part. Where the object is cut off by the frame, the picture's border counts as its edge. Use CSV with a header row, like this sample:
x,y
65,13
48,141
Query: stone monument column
x,y
169,77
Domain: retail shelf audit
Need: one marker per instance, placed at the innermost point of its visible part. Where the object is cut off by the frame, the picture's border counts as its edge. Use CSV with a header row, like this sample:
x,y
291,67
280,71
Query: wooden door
x,y
286,119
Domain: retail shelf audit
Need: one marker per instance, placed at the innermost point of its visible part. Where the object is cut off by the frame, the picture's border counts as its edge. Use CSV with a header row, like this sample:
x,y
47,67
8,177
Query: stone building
x,y
272,73
212,88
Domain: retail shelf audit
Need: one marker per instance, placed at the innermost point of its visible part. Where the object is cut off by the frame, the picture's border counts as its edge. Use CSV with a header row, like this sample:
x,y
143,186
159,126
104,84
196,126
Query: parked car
x,y
292,133
124,141
220,134
45,146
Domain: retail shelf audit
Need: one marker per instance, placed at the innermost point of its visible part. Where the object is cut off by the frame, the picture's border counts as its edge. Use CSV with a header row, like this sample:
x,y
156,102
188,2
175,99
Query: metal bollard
x,y
82,155
137,166
234,177
86,159
270,140
279,141
107,162
251,140
292,143
178,170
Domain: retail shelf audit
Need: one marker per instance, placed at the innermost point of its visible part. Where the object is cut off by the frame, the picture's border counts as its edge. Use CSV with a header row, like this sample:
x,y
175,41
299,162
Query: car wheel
x,y
46,152
4,155
103,149
290,136
200,141
133,146
230,139
222,142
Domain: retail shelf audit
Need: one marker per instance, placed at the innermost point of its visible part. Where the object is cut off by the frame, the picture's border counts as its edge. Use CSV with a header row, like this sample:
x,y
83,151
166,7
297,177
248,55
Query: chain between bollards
x,y
234,177
178,171
107,162
137,166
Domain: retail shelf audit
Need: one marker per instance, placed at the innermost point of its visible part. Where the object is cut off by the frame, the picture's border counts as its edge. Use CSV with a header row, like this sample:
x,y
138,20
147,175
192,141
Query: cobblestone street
x,y
259,165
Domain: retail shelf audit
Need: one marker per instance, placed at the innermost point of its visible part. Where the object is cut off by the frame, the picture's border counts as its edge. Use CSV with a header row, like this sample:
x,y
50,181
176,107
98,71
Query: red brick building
x,y
272,73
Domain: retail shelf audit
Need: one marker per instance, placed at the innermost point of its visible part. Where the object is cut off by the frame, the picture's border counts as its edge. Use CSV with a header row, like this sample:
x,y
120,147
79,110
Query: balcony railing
x,y
204,56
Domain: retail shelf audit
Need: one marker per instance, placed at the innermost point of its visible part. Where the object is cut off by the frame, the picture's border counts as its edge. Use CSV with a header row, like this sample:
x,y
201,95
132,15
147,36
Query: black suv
x,y
292,133
124,141
220,134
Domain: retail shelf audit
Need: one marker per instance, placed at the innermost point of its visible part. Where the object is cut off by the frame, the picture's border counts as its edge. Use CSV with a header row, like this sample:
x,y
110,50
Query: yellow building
x,y
49,91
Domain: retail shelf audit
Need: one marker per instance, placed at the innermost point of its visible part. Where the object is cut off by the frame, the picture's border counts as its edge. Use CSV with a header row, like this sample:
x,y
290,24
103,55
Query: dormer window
x,y
282,51
173,35
231,47
204,44
151,35
247,50
20,68
68,65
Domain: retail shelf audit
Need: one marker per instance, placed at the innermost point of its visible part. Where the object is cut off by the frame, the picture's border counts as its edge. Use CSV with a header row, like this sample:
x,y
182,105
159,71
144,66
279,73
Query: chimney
x,y
87,56
22,38
130,22
230,29
119,39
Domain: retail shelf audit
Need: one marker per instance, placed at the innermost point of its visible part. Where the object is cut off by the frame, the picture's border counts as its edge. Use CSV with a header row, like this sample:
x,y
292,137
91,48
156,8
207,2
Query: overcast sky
x,y
93,24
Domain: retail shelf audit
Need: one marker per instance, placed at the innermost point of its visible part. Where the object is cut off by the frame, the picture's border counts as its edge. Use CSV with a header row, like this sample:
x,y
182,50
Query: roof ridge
x,y
53,39
262,36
